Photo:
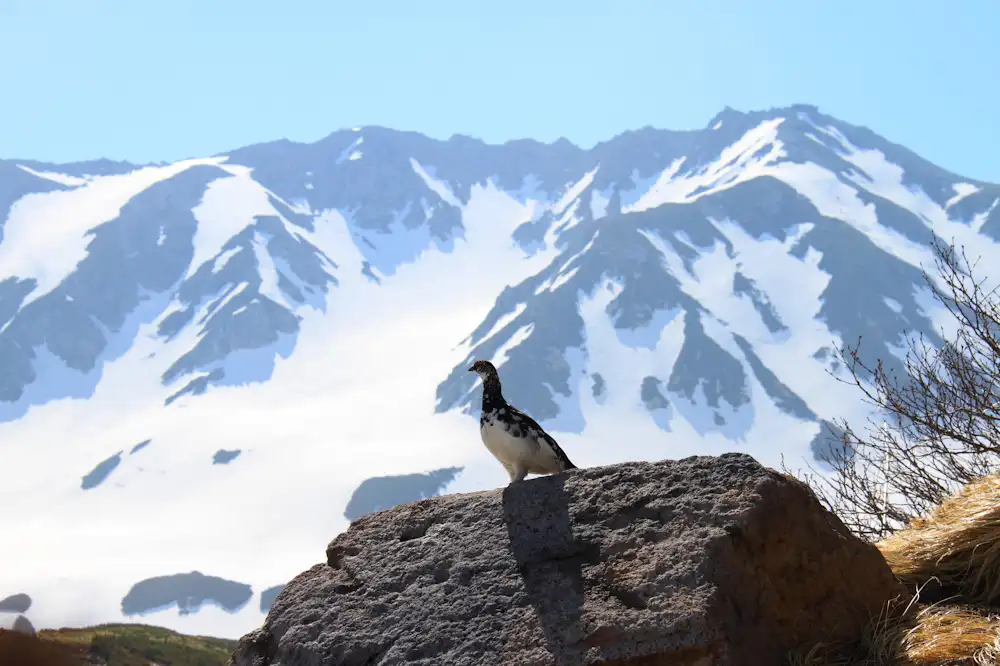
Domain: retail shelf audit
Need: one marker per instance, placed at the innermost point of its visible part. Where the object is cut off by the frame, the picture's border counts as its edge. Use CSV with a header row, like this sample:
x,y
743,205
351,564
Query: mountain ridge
x,y
310,310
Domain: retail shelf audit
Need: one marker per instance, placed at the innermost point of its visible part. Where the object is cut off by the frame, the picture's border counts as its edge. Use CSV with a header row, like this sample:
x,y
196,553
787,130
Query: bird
x,y
514,438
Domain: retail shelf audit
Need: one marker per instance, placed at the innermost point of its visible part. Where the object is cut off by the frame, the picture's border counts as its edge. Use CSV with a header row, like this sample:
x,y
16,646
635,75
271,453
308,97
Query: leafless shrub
x,y
938,424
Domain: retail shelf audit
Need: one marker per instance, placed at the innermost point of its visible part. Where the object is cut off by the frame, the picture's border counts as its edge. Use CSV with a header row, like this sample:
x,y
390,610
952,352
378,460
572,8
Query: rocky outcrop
x,y
706,560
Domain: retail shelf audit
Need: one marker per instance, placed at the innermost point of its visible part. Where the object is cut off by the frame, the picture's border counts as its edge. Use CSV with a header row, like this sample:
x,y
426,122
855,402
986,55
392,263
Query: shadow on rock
x,y
549,558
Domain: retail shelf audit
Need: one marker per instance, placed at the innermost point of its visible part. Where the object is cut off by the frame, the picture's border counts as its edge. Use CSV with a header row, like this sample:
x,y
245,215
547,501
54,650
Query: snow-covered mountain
x,y
202,362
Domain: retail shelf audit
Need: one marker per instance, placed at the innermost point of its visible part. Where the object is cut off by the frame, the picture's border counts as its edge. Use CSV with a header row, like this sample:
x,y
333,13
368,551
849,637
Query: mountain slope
x,y
210,362
138,645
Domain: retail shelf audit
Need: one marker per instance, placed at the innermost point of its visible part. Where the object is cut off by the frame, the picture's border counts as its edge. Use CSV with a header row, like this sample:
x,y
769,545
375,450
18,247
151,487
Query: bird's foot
x,y
517,475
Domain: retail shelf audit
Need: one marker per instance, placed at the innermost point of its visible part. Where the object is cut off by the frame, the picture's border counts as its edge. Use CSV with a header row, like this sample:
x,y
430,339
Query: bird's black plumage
x,y
529,424
520,444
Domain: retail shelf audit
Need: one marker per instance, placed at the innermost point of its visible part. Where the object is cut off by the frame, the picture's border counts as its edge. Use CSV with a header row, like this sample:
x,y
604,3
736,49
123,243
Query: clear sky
x,y
149,80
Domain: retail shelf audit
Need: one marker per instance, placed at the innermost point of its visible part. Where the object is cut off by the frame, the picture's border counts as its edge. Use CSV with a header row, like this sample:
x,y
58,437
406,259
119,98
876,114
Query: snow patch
x,y
503,321
438,187
232,292
574,191
962,190
268,273
742,161
563,278
979,219
560,277
223,258
61,178
566,221
599,203
885,179
836,199
519,336
229,205
349,153
46,234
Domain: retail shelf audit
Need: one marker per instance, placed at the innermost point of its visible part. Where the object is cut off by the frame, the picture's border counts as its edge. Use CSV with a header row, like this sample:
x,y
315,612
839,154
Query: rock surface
x,y
706,560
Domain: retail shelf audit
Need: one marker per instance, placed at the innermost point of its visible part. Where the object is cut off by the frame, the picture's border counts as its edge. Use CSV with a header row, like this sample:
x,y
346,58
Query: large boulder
x,y
706,560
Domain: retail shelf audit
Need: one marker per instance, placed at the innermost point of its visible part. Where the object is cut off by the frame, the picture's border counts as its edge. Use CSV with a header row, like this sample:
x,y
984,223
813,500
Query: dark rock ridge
x,y
101,472
140,446
187,591
16,603
705,560
225,456
384,492
268,596
828,445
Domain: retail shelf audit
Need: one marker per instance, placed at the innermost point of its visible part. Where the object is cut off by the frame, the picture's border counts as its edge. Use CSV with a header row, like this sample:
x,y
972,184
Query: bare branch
x,y
937,427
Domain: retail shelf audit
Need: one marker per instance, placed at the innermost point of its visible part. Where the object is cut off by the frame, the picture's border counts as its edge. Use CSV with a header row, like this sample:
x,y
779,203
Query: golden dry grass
x,y
953,635
956,547
928,636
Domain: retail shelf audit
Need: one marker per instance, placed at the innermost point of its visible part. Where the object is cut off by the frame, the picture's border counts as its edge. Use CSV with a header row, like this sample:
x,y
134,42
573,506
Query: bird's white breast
x,y
508,449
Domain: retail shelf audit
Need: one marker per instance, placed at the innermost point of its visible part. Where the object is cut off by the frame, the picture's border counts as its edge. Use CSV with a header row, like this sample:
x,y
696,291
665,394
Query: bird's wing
x,y
540,432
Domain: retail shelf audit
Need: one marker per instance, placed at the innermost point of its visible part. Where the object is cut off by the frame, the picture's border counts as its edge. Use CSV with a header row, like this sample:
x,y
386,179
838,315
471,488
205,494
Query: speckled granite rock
x,y
706,560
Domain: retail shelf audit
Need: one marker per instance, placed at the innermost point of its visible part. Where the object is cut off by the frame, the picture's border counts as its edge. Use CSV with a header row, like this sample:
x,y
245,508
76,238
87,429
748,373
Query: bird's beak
x,y
472,369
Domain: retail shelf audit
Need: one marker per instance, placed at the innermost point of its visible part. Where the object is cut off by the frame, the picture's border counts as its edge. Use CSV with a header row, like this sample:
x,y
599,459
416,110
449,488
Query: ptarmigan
x,y
513,437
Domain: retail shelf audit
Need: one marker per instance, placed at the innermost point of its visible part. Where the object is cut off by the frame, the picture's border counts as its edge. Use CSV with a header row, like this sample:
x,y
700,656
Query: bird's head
x,y
484,369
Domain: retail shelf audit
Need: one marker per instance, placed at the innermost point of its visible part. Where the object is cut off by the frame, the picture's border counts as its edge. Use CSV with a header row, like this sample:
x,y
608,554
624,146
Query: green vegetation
x,y
140,645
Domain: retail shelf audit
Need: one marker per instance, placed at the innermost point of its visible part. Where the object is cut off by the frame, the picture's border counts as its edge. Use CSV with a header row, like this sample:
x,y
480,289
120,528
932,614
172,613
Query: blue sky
x,y
149,80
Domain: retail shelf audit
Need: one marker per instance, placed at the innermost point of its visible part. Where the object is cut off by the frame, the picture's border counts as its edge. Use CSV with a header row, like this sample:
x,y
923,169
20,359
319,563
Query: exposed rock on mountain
x,y
268,596
188,591
16,603
698,561
101,472
383,492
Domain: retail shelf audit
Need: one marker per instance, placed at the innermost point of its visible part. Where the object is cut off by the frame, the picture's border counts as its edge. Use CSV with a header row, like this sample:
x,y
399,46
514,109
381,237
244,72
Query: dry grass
x,y
929,636
955,549
953,635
